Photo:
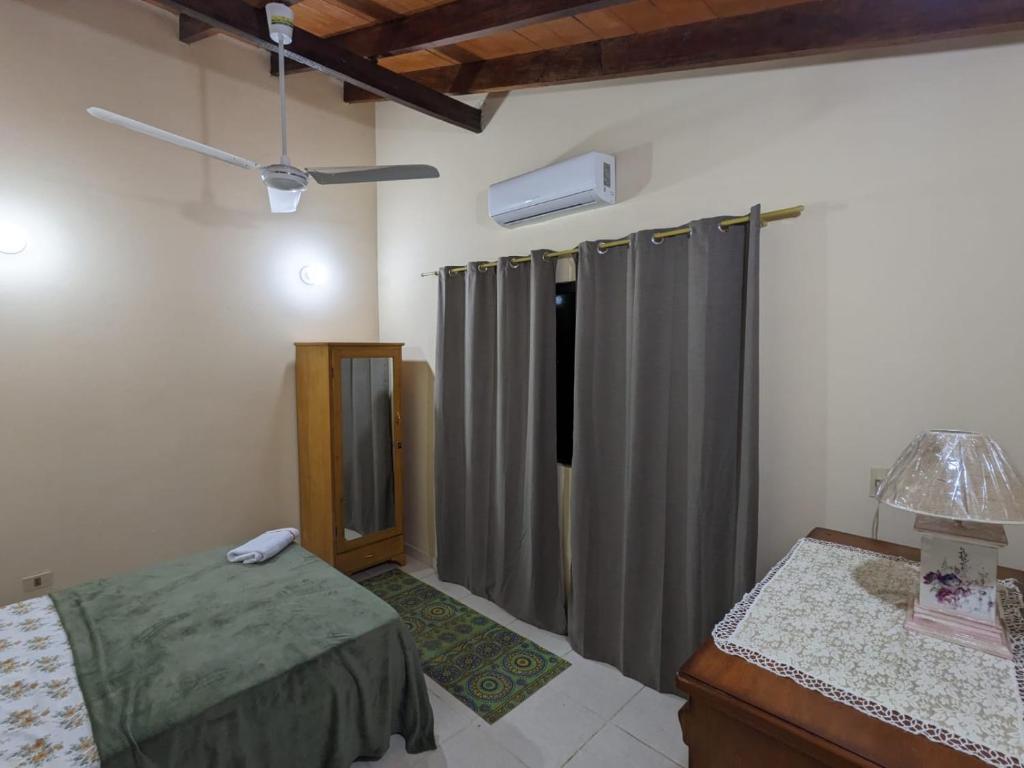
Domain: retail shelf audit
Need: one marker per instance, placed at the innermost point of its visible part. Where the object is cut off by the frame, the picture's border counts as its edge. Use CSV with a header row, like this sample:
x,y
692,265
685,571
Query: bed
x,y
199,662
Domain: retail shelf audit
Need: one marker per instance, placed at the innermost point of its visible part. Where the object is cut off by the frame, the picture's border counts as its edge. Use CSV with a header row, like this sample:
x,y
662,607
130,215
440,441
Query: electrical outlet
x,y
877,476
37,582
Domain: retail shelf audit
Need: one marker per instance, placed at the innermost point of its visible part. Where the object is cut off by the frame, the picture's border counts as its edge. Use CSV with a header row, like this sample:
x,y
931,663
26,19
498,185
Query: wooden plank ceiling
x,y
416,52
331,18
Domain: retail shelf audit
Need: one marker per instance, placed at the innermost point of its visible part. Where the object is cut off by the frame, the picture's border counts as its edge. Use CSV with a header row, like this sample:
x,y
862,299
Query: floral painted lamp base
x,y
957,597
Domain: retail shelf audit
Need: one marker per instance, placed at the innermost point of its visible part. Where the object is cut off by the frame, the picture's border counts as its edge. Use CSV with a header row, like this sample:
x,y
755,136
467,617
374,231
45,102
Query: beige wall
x,y
146,400
893,305
146,395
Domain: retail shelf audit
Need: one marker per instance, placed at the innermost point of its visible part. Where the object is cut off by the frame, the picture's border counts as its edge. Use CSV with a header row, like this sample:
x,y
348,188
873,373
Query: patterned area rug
x,y
484,665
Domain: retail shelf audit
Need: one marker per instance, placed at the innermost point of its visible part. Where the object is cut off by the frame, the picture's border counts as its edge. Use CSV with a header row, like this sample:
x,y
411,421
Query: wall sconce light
x,y
13,239
313,274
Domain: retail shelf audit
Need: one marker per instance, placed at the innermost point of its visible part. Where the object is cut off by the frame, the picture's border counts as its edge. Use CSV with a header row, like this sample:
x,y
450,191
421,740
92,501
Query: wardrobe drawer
x,y
372,554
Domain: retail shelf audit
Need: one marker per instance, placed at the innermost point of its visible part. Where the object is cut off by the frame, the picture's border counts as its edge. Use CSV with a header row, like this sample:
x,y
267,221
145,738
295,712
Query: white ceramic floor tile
x,y
396,756
601,688
589,716
488,609
473,747
450,714
653,718
555,643
545,731
415,566
612,747
457,591
419,571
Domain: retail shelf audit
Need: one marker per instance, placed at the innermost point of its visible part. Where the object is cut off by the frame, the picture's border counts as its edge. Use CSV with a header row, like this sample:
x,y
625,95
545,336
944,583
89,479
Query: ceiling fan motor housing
x,y
286,178
281,21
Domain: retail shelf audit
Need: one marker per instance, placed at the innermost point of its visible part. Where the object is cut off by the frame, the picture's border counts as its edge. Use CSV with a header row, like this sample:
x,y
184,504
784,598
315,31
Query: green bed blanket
x,y
286,664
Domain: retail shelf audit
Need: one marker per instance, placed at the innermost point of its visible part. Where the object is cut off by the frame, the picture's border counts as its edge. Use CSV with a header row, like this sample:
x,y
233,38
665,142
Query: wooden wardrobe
x,y
348,398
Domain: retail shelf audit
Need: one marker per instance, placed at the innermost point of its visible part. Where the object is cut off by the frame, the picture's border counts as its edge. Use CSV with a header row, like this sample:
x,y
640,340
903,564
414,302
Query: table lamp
x,y
963,490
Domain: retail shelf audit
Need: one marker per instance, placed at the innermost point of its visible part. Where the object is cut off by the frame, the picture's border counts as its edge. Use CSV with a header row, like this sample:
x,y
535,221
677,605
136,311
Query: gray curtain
x,y
495,451
366,434
664,512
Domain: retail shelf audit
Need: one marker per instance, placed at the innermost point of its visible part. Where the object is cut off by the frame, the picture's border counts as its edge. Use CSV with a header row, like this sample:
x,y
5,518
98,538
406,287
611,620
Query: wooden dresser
x,y
348,401
739,715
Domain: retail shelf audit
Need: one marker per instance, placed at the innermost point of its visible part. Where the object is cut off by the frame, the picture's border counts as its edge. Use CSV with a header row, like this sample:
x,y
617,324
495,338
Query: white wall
x,y
146,380
891,306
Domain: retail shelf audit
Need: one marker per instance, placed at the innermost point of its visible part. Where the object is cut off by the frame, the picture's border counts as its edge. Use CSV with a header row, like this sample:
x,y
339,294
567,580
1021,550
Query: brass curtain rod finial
x,y
781,213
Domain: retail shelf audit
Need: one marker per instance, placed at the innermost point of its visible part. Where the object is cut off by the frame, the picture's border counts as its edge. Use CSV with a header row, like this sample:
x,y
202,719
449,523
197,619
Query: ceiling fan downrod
x,y
285,183
281,24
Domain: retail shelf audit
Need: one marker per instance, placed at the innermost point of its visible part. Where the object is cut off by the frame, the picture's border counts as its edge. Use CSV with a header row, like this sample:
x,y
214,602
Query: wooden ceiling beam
x,y
192,31
370,8
460,20
329,57
823,26
290,67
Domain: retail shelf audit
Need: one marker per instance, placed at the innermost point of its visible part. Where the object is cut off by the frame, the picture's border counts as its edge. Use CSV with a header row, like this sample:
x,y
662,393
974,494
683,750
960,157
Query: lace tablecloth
x,y
831,617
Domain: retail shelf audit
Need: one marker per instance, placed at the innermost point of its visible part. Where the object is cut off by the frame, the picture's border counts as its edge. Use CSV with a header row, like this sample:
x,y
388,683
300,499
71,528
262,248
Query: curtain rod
x,y
782,213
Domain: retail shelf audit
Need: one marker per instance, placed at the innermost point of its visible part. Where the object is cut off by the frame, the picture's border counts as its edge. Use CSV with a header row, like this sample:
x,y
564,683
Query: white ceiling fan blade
x,y
359,174
171,138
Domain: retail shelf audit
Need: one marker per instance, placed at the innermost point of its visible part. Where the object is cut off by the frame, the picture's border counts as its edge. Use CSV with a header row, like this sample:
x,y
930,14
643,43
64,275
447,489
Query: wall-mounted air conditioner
x,y
582,182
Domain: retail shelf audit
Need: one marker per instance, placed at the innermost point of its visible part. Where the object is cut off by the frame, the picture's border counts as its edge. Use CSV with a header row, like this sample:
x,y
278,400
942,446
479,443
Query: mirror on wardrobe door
x,y
367,444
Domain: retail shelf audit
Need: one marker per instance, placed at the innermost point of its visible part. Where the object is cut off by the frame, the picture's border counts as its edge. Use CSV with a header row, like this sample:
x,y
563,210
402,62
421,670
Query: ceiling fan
x,y
285,183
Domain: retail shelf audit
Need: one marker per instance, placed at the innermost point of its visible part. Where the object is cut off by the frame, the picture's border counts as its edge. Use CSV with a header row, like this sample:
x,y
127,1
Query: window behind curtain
x,y
565,356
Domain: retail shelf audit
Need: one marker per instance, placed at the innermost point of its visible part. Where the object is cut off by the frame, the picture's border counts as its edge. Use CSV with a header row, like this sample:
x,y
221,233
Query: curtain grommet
x,y
601,249
720,228
513,265
657,240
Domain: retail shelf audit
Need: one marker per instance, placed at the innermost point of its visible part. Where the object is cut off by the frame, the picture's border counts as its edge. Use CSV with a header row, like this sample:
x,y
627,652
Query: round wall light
x,y
13,239
313,274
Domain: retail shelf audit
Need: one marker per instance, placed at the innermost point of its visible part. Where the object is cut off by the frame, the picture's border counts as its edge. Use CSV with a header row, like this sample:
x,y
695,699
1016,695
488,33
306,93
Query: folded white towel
x,y
264,546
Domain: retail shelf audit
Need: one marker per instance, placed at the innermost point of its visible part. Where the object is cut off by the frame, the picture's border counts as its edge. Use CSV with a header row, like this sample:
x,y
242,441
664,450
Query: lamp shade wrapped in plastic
x,y
957,475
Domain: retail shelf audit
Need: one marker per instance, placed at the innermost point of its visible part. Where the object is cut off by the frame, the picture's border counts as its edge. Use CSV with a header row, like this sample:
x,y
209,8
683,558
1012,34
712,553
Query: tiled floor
x,y
590,716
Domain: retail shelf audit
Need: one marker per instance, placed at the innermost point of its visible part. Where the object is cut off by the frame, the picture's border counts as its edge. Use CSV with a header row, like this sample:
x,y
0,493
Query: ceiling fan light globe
x,y
284,201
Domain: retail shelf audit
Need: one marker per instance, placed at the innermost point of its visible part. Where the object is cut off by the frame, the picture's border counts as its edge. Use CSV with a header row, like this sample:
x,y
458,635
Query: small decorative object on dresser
x,y
963,490
348,399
